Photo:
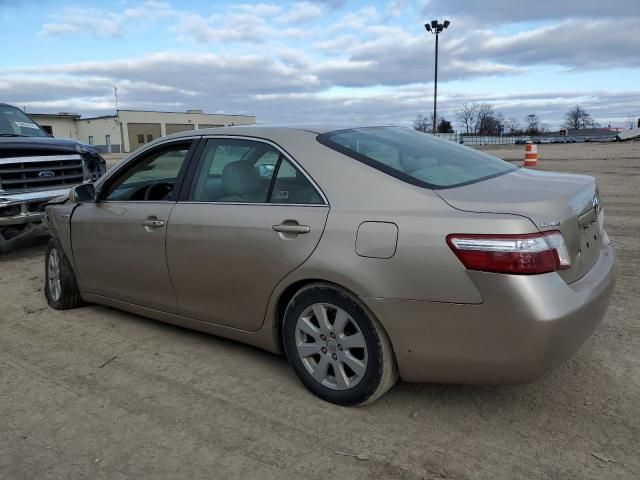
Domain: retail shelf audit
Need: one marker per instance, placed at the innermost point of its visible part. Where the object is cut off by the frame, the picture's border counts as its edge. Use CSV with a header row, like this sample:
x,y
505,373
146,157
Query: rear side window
x,y
415,157
292,187
247,171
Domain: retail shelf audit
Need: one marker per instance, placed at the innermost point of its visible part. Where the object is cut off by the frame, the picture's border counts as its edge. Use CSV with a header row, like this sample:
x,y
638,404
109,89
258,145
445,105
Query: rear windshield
x,y
417,158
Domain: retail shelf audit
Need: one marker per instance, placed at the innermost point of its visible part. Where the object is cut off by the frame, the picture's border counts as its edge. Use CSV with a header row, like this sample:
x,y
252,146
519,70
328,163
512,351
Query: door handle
x,y
153,223
292,228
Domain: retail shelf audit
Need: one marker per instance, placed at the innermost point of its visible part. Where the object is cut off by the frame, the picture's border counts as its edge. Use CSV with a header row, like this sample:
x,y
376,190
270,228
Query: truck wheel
x,y
338,350
60,286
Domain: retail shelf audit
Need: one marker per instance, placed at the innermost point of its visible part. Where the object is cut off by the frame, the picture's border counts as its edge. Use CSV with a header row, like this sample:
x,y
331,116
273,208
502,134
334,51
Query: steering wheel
x,y
158,191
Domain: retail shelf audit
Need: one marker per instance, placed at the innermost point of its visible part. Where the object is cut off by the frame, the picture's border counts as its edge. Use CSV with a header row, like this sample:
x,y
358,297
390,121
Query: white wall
x,y
98,128
63,127
163,118
117,126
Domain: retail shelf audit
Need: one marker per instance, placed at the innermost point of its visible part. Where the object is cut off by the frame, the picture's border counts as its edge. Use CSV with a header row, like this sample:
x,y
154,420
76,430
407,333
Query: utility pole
x,y
436,28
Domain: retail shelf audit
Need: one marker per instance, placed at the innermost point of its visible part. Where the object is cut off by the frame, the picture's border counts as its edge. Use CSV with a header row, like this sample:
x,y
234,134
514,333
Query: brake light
x,y
525,254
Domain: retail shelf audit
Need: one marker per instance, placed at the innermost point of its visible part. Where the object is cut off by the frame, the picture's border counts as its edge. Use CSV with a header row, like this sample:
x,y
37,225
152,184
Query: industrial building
x,y
128,129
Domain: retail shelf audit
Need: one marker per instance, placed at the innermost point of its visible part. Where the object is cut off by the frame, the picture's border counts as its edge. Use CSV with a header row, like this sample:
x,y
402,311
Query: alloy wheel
x,y
331,346
53,275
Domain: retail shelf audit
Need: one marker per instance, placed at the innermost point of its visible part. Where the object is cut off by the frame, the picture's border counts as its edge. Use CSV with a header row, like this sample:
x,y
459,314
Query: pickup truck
x,y
35,168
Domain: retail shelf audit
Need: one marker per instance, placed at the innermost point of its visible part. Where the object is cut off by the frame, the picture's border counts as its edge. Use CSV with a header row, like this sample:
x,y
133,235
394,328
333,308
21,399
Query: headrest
x,y
239,178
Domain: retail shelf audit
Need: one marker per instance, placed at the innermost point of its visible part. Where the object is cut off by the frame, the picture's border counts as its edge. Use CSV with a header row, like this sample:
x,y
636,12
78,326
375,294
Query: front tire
x,y
60,286
339,351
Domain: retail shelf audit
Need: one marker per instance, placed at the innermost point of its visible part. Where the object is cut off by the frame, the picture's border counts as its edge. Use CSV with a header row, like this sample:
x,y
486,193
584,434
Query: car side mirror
x,y
85,193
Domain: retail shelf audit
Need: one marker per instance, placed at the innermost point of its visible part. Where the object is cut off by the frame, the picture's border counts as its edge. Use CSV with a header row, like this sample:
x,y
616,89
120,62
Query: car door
x,y
119,241
250,217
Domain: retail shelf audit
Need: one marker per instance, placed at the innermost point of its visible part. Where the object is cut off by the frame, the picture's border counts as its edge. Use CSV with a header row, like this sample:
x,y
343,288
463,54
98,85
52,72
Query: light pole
x,y
436,28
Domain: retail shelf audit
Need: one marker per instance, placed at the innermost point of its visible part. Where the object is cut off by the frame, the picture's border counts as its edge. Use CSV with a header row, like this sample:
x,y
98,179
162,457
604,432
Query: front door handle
x,y
291,228
153,223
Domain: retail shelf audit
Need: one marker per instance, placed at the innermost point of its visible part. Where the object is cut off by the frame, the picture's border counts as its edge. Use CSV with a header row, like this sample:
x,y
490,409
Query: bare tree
x,y
578,118
531,123
488,122
466,116
422,124
512,126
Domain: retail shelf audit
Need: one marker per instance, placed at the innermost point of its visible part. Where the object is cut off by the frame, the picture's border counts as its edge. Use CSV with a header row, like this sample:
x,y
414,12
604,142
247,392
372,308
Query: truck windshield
x,y
14,123
417,158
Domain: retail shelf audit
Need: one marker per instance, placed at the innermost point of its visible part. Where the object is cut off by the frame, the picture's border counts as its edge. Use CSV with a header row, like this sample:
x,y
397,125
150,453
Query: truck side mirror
x,y
85,193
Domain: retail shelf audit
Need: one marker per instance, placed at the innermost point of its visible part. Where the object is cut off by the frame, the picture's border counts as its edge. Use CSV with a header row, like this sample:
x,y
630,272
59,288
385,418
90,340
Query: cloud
x,y
315,61
206,73
102,23
270,89
578,44
258,9
509,11
301,12
239,26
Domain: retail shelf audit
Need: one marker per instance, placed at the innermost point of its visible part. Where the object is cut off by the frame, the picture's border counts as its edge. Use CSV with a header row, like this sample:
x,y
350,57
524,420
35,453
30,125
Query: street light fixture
x,y
436,28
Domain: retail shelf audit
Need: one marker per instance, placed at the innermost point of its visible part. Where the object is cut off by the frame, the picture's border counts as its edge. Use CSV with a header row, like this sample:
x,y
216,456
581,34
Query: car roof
x,y
259,130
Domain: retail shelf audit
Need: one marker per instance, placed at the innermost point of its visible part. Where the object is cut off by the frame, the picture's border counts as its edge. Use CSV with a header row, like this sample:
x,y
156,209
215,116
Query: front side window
x,y
246,171
417,158
152,178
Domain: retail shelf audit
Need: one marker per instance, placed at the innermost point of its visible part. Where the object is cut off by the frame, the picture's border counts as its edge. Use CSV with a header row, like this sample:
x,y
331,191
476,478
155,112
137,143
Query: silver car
x,y
364,254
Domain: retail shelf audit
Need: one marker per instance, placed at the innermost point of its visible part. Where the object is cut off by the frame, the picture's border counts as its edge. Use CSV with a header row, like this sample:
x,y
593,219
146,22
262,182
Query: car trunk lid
x,y
552,201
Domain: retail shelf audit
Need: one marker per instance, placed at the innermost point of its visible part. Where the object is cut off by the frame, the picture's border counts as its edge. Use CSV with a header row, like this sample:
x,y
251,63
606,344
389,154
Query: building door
x,y
107,140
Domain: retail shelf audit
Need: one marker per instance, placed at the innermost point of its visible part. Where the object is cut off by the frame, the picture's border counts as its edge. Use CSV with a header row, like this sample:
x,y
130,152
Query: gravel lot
x,y
97,393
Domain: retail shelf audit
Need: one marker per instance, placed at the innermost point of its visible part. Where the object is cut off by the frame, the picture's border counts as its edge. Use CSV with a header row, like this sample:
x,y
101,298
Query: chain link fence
x,y
472,139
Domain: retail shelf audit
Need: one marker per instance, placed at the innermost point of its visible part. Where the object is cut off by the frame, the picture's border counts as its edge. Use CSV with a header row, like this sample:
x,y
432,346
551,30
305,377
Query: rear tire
x,y
338,350
60,286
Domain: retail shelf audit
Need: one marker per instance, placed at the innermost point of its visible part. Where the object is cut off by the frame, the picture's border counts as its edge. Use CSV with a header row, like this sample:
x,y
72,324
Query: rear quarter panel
x,y
423,267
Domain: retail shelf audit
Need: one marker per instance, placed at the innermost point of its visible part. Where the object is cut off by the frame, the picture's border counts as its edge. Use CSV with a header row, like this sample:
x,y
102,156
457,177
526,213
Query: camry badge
x,y
550,223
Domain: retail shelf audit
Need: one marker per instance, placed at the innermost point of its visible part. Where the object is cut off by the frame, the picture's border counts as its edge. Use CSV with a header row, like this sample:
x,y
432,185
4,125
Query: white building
x,y
128,129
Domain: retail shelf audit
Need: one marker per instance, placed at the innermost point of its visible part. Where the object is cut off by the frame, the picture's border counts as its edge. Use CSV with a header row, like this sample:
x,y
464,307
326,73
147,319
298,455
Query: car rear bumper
x,y
526,326
21,208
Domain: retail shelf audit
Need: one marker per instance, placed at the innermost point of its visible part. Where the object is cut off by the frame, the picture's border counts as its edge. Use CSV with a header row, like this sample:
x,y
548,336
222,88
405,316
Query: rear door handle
x,y
153,223
291,228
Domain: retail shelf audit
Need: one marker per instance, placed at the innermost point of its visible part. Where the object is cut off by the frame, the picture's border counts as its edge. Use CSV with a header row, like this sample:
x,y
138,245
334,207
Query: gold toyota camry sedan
x,y
364,254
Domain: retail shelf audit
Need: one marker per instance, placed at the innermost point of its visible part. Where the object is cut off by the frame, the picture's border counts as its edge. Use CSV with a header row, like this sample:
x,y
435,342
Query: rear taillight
x,y
526,254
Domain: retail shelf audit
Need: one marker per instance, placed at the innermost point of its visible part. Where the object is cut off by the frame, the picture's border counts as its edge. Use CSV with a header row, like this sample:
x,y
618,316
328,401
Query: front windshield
x,y
14,123
417,158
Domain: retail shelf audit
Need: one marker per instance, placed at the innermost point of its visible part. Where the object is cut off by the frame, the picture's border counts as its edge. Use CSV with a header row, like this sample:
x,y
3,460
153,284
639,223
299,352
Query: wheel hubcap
x,y
53,275
331,346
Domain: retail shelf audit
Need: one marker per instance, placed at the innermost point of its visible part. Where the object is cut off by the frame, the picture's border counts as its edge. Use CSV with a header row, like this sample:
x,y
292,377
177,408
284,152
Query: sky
x,y
322,61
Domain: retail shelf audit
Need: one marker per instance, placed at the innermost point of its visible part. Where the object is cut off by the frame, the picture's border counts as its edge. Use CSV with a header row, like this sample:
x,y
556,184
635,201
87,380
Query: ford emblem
x,y
46,174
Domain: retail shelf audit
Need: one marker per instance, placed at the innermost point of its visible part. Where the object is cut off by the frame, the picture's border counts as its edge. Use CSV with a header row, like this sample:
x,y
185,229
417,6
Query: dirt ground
x,y
97,393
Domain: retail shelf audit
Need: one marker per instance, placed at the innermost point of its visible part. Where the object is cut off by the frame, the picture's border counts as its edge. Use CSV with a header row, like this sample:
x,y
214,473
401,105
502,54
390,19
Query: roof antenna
x,y
115,95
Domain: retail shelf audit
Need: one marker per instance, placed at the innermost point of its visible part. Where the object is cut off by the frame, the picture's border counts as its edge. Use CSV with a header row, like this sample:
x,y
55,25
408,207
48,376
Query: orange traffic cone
x,y
530,155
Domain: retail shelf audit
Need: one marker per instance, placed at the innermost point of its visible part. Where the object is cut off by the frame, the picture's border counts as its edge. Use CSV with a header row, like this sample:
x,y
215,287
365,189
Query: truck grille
x,y
35,173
